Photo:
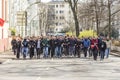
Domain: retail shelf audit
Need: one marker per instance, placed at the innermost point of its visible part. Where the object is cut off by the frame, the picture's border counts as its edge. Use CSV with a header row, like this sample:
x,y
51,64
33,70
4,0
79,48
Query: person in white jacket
x,y
109,44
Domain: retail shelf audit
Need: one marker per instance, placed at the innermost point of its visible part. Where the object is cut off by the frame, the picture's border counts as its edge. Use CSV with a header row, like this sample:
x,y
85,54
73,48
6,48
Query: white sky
x,y
45,0
50,0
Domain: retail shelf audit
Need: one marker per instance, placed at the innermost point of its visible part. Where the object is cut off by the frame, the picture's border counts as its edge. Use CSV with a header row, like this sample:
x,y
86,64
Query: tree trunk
x,y
109,9
76,22
96,13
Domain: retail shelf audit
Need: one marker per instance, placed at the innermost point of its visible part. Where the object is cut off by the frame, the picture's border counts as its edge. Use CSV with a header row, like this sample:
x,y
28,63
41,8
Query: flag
x,y
1,22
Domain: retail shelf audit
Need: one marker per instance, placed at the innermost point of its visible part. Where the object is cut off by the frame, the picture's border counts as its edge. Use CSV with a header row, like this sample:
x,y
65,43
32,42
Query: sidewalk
x,y
8,55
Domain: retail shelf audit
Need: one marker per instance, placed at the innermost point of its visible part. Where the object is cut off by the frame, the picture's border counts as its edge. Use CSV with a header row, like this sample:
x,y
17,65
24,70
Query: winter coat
x,y
102,46
86,43
108,43
45,43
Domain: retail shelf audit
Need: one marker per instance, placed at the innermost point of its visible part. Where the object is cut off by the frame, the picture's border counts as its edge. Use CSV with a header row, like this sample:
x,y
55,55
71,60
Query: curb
x,y
6,61
115,54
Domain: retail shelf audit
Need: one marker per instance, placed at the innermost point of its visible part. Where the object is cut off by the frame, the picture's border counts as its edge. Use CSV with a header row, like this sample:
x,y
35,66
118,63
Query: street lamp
x,y
26,15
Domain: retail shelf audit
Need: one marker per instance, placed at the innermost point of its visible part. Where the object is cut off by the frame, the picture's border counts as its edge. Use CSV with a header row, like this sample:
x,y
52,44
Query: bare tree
x,y
50,18
100,14
73,5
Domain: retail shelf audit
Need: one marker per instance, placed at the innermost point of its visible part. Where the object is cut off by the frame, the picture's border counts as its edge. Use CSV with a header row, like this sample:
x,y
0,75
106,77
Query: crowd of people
x,y
61,46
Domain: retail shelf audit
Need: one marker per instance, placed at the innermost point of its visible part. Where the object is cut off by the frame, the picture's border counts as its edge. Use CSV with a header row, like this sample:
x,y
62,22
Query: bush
x,y
88,33
13,31
85,33
116,43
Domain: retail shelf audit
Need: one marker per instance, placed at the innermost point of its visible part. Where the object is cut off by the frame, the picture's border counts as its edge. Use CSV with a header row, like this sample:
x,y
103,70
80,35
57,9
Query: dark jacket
x,y
18,44
78,44
14,43
52,43
99,42
25,43
45,43
102,46
65,43
71,42
32,44
58,43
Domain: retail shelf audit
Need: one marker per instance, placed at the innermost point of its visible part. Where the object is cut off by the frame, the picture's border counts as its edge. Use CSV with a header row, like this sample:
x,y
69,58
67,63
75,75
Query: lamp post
x,y
26,16
42,20
32,21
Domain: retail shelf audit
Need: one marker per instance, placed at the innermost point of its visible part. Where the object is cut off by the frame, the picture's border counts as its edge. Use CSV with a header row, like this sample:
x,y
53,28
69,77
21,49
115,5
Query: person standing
x,y
58,43
38,47
45,47
86,44
25,48
78,48
18,48
14,45
49,49
108,44
99,42
102,49
52,46
71,46
31,47
95,51
66,46
94,48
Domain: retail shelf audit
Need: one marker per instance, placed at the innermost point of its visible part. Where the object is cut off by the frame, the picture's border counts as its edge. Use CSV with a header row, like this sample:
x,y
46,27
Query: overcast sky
x,y
45,0
50,0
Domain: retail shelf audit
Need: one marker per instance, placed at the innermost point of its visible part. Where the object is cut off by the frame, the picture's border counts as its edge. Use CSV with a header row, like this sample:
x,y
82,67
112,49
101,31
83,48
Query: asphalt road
x,y
61,69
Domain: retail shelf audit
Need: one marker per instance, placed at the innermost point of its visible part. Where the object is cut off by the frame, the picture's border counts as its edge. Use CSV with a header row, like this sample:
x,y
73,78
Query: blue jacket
x,y
86,43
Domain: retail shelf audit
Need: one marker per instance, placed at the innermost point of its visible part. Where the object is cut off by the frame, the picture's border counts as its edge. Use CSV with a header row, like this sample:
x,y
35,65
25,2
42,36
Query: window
x,y
61,11
60,23
56,11
57,6
52,6
56,17
62,6
61,17
56,29
56,24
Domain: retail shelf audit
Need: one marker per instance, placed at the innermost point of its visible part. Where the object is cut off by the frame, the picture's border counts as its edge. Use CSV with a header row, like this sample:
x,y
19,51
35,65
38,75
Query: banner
x,y
1,22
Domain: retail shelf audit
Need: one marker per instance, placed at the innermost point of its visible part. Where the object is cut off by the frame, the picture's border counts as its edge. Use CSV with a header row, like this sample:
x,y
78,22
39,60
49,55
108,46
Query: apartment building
x,y
31,24
4,30
60,15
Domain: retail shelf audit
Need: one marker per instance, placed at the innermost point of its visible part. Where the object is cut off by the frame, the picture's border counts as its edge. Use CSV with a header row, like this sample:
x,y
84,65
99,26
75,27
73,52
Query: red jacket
x,y
93,43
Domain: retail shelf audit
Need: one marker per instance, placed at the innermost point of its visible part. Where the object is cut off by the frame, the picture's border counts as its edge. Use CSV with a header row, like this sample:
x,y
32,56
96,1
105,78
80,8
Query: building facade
x,y
17,6
4,14
32,22
61,14
4,30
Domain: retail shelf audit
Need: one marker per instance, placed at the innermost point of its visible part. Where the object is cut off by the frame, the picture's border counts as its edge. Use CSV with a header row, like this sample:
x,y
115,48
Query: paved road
x,y
61,69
